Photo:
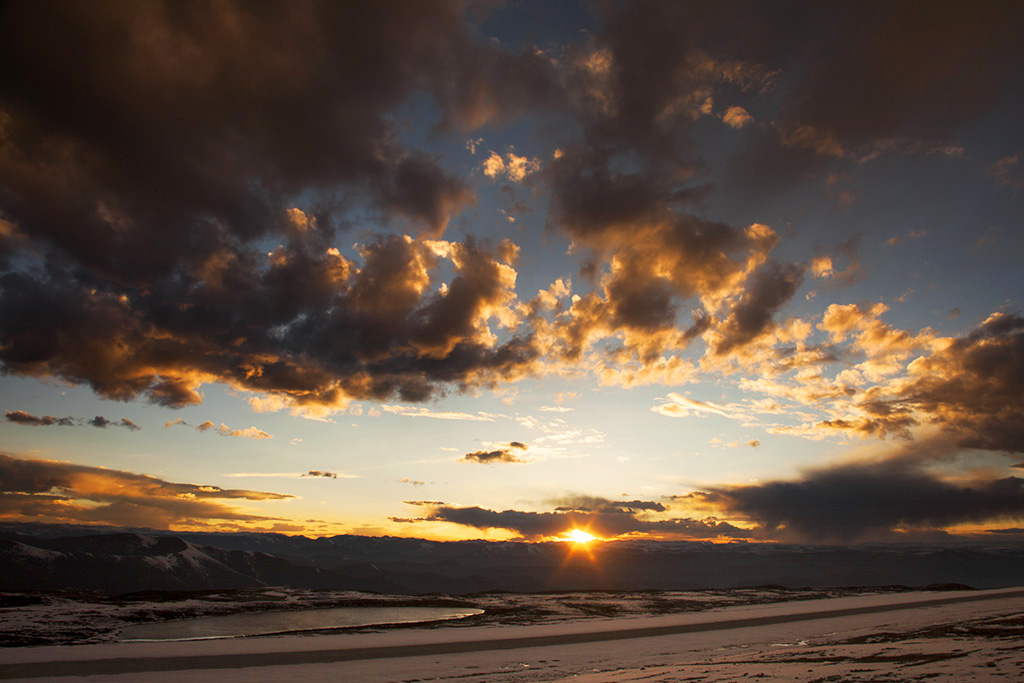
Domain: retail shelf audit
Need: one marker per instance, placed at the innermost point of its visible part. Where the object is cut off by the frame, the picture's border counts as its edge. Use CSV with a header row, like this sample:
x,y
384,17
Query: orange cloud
x,y
224,430
64,492
736,117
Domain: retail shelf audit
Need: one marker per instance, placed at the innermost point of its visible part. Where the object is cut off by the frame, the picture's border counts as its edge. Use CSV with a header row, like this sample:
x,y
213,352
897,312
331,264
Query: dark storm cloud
x,y
311,326
170,137
61,491
863,500
611,520
23,418
509,454
197,119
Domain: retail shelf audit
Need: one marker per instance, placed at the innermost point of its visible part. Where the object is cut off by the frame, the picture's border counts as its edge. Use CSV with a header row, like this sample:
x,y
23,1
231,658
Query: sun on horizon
x,y
580,536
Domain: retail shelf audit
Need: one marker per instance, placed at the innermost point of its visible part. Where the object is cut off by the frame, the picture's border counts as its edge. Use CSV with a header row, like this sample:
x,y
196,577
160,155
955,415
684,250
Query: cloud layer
x,y
598,516
230,193
52,491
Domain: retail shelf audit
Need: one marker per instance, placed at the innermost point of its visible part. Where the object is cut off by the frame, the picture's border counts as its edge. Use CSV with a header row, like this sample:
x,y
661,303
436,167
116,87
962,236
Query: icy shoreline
x,y
39,619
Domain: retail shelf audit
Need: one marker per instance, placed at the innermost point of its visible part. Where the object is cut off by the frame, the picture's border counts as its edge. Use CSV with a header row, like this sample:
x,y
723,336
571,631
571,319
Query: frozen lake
x,y
265,623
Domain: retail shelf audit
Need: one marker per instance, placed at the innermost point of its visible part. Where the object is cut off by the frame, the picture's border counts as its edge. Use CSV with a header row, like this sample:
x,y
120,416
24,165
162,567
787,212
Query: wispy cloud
x,y
677,405
415,411
323,474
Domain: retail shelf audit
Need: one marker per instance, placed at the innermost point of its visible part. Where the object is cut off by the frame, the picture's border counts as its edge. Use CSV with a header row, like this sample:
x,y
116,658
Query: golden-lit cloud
x,y
509,453
510,166
53,491
223,429
737,117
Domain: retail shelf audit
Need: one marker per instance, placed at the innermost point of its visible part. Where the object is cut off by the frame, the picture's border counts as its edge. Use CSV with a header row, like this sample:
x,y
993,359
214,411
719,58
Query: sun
x,y
580,536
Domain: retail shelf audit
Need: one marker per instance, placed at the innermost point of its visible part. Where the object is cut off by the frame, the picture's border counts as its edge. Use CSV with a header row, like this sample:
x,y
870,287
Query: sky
x,y
730,271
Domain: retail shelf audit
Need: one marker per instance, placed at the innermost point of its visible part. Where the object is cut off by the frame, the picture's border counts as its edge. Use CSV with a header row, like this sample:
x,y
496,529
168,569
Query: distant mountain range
x,y
115,560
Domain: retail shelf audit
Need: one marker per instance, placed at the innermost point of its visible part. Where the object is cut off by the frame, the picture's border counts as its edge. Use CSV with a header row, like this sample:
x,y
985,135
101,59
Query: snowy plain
x,y
934,636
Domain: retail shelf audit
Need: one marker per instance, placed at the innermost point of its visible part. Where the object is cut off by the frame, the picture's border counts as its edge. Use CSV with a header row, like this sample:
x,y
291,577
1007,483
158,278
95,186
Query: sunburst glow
x,y
580,536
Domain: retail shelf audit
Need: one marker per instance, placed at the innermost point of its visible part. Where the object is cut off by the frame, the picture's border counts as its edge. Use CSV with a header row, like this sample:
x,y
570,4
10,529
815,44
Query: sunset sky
x,y
687,270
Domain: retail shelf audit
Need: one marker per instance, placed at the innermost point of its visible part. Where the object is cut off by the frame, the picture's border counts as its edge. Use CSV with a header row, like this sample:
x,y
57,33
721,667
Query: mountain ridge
x,y
52,557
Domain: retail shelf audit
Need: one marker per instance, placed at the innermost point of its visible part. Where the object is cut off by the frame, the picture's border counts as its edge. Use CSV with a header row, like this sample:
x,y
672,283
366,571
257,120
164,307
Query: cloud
x,y
737,117
821,266
900,239
411,411
411,482
507,454
602,518
1007,173
306,306
231,134
851,105
677,405
868,500
294,475
249,433
224,430
773,285
650,253
23,418
581,503
510,166
261,136
894,95
966,386
972,386
47,490
103,423
152,295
